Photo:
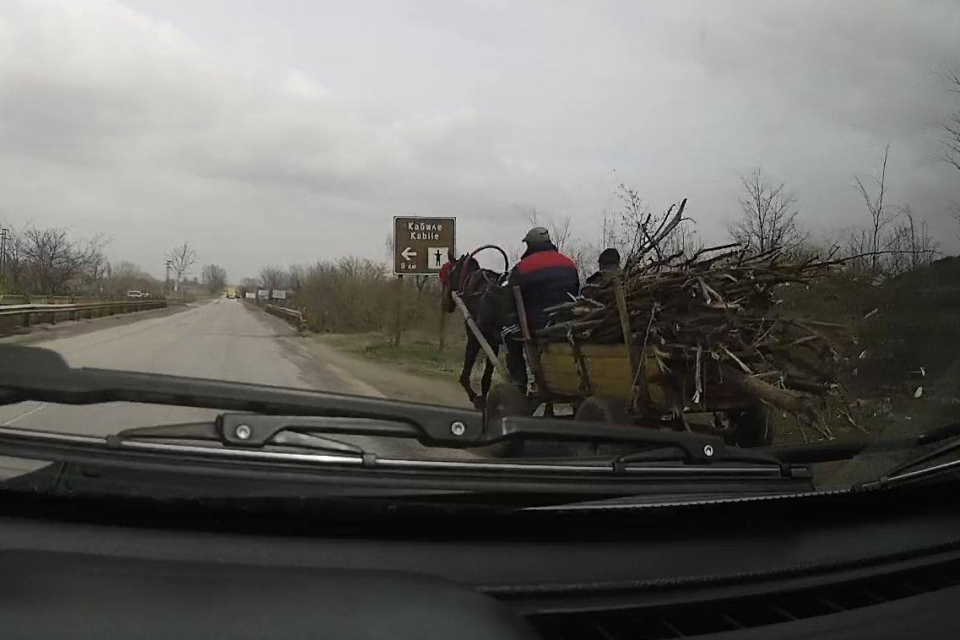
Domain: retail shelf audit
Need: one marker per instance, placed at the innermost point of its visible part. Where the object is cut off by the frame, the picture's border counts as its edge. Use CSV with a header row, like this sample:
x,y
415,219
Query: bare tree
x,y
881,216
647,235
13,264
296,274
559,226
51,260
125,276
768,218
951,125
684,241
911,245
272,277
181,259
47,261
214,277
93,264
560,232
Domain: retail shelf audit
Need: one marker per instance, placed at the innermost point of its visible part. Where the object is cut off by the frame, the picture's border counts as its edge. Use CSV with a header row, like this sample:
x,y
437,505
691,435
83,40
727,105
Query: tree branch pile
x,y
714,318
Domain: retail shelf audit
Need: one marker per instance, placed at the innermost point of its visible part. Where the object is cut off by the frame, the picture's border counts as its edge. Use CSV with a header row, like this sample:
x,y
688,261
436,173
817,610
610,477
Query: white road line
x,y
29,412
362,387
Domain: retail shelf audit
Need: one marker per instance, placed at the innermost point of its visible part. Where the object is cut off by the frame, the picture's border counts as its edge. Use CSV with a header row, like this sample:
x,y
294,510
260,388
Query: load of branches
x,y
712,318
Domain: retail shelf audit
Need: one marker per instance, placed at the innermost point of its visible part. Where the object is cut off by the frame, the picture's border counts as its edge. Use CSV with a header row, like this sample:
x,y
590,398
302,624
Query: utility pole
x,y
166,282
3,252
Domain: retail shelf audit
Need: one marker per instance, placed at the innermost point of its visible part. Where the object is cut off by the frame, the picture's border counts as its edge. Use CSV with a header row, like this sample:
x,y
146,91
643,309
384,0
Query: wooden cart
x,y
630,384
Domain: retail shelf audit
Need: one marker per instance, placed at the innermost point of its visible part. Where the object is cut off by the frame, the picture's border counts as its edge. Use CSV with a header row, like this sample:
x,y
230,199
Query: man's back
x,y
546,278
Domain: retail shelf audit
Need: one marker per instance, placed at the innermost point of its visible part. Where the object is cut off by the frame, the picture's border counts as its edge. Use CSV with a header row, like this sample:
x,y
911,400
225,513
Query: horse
x,y
485,299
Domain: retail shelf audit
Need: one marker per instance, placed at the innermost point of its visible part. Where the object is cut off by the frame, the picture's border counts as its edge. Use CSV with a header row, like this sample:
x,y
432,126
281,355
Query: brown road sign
x,y
420,245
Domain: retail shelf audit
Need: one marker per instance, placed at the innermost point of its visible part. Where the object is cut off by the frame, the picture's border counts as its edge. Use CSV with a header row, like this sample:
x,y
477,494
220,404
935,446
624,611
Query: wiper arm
x,y
247,425
37,374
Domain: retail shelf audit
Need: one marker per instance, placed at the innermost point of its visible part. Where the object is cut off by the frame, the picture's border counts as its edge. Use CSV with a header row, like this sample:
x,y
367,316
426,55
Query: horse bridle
x,y
469,257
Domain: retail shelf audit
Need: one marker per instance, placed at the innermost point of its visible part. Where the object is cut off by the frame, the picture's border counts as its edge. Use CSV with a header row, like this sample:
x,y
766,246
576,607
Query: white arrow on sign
x,y
408,254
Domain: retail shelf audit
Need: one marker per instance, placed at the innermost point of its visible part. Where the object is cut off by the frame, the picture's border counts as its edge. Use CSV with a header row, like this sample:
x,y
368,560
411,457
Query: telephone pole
x,y
4,233
166,282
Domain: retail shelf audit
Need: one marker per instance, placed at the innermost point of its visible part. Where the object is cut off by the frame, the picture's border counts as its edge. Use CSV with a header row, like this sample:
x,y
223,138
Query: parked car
x,y
134,294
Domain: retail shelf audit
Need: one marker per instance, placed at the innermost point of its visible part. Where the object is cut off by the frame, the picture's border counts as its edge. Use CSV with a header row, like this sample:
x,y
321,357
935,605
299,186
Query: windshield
x,y
731,220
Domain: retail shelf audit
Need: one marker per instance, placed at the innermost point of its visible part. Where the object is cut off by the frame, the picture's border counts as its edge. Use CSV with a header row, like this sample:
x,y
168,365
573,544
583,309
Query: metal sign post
x,y
420,248
398,316
420,245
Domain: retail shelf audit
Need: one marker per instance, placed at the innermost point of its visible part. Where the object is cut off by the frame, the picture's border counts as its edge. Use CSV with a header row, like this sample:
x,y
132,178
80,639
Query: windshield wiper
x,y
919,466
946,434
267,413
244,430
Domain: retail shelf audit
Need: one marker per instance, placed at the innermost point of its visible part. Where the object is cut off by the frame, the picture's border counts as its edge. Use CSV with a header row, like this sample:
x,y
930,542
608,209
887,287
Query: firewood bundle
x,y
712,316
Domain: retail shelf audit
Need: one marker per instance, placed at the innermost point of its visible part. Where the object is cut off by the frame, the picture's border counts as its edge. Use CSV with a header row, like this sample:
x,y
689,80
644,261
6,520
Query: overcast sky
x,y
289,131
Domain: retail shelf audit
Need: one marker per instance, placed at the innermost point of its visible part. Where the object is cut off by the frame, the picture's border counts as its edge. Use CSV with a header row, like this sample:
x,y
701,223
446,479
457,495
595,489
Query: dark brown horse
x,y
485,299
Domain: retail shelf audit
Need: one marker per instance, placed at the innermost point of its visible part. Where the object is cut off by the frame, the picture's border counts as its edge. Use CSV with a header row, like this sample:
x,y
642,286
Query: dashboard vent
x,y
691,620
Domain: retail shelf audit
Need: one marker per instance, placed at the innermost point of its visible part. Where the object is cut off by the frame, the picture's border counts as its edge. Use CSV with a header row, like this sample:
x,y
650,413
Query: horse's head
x,y
461,269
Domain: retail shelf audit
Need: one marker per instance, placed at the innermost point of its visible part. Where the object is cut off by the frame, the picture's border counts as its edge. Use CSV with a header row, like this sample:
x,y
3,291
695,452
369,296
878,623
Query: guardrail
x,y
30,313
7,299
292,316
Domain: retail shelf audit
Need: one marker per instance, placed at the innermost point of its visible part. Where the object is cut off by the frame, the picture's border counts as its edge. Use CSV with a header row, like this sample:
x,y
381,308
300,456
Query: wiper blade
x,y
37,374
256,431
844,450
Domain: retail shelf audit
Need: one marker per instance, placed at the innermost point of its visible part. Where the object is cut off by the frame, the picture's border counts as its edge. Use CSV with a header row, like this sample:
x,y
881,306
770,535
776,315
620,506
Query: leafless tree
x,y
911,245
214,277
273,277
881,216
51,260
47,261
126,276
768,218
13,264
684,241
951,125
296,274
92,264
559,226
181,259
647,235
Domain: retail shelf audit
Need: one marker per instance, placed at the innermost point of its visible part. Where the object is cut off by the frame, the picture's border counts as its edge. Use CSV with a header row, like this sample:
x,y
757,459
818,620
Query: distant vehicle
x,y
231,292
135,294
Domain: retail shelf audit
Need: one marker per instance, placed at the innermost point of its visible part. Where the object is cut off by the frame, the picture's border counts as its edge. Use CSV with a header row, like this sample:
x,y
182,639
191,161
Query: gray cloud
x,y
297,135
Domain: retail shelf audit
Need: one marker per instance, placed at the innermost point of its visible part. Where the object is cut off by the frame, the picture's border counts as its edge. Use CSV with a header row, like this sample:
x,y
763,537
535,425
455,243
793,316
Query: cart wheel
x,y
506,400
753,426
603,410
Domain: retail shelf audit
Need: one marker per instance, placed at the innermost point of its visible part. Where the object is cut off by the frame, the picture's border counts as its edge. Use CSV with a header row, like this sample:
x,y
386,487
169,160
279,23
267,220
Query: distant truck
x,y
231,292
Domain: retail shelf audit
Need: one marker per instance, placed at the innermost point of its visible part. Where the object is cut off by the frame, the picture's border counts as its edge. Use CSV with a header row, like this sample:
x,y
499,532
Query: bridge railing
x,y
31,313
292,316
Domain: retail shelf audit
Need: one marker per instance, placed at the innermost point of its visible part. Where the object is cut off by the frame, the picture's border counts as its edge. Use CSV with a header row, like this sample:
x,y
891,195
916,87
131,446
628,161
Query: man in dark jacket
x,y
546,278
608,263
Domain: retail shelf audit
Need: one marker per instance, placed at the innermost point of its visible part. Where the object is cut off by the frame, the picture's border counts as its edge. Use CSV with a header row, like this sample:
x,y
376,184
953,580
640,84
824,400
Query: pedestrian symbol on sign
x,y
436,256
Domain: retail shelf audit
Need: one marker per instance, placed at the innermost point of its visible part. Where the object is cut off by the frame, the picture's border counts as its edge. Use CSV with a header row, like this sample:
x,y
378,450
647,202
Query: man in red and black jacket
x,y
546,278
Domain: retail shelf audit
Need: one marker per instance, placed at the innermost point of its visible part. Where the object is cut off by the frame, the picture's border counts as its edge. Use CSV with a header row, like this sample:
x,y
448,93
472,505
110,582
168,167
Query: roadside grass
x,y
416,354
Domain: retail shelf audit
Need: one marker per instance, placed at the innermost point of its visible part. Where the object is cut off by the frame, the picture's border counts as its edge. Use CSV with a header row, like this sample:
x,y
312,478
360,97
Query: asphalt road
x,y
221,339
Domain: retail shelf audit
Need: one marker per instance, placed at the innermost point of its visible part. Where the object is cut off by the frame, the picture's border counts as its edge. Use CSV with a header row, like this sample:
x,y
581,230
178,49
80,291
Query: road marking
x,y
29,412
363,387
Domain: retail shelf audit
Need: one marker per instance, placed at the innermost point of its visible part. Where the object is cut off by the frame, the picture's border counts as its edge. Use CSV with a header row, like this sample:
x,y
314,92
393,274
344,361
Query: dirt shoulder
x,y
416,371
